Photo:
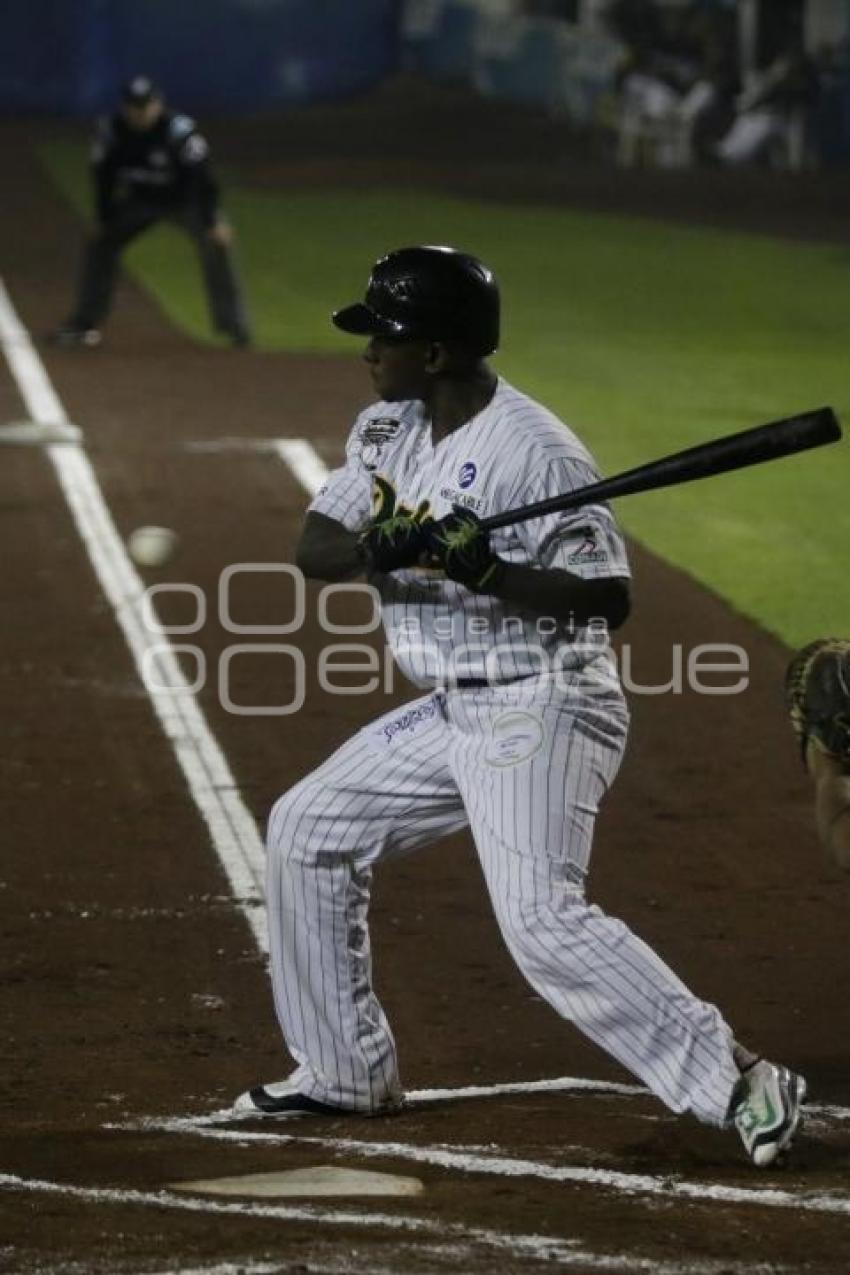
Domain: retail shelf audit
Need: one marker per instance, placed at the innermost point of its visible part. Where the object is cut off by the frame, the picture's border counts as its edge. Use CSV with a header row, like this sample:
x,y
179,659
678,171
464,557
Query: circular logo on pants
x,y
517,736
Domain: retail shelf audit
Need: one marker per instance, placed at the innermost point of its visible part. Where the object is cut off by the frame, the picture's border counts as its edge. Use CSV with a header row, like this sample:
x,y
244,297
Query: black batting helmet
x,y
432,292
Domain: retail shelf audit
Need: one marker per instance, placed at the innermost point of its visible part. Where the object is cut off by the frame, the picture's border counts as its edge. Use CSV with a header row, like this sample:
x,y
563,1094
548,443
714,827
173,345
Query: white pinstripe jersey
x,y
513,452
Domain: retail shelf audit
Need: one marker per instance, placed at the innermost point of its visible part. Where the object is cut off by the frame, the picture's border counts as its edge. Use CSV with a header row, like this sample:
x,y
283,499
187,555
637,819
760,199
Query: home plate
x,y
322,1180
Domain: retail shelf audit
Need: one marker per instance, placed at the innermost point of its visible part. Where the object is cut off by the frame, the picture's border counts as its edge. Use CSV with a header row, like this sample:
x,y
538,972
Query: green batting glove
x,y
461,547
397,536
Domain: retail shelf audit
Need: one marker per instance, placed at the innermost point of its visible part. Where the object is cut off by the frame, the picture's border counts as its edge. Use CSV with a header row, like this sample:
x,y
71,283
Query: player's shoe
x,y
75,334
767,1109
282,1099
238,334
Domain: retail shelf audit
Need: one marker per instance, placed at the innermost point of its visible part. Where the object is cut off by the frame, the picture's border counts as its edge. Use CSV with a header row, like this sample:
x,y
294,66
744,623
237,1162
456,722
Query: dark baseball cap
x,y
139,91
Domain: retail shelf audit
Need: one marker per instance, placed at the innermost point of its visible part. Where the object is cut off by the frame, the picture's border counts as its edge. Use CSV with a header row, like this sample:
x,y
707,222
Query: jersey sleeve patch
x,y
180,126
586,542
194,149
371,438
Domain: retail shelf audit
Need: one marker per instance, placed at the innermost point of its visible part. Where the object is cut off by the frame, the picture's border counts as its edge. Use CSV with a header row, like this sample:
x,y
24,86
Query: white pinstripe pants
x,y
525,767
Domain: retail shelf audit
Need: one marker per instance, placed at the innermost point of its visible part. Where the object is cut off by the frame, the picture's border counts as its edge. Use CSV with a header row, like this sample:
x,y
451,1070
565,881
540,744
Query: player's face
x,y
397,367
141,117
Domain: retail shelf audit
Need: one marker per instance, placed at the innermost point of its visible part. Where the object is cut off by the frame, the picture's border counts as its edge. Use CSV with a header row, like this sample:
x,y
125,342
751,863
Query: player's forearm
x,y
327,550
201,190
565,597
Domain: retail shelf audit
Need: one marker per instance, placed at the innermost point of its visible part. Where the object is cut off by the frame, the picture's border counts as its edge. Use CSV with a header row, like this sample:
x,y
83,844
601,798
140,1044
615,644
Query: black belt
x,y
476,683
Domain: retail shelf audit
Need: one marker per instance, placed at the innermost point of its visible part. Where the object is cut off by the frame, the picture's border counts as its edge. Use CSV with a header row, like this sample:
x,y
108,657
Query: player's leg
x,y
387,790
532,806
222,285
99,267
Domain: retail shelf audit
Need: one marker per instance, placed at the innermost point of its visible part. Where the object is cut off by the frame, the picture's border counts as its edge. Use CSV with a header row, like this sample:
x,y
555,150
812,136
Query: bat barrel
x,y
718,456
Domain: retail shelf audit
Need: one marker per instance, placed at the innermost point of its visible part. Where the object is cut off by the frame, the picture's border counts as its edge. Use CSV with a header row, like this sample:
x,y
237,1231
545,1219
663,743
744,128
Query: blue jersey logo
x,y
468,474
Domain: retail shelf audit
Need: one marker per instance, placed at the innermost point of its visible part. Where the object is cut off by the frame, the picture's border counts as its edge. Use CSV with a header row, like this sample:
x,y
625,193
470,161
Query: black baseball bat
x,y
718,456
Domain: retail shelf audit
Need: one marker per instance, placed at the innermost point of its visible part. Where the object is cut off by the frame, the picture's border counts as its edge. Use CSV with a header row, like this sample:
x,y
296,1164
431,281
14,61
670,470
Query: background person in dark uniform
x,y
150,163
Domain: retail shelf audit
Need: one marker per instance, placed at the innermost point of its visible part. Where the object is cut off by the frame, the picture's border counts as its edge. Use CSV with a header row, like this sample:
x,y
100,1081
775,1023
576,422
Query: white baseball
x,y
151,546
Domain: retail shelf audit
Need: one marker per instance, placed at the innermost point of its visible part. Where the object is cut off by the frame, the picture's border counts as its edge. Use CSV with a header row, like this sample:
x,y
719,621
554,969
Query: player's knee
x,y
290,822
533,926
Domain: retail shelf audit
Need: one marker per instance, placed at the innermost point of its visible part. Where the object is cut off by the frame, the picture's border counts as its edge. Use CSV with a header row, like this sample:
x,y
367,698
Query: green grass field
x,y
647,337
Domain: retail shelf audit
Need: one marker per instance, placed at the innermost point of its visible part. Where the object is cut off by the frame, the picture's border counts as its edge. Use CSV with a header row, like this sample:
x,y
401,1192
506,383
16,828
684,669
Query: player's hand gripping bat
x,y
719,456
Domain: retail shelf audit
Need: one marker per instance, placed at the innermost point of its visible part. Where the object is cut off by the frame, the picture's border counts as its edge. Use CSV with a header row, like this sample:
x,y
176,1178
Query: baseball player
x,y
817,688
518,733
150,164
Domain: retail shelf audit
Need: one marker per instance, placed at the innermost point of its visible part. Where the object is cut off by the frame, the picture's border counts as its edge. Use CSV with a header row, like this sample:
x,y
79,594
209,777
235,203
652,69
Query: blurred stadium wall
x,y
70,56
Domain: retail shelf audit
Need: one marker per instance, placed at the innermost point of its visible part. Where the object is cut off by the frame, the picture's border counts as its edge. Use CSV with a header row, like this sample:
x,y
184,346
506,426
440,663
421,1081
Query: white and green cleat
x,y
768,1110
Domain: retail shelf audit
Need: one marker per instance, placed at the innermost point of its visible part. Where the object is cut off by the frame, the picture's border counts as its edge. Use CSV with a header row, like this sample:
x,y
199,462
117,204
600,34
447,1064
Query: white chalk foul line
x,y
226,1268
232,828
298,454
304,461
345,1264
559,1084
542,1248
417,1097
829,1113
463,1160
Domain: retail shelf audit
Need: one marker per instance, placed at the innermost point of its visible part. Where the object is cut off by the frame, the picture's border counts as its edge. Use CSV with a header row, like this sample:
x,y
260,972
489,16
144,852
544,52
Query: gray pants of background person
x,y
103,253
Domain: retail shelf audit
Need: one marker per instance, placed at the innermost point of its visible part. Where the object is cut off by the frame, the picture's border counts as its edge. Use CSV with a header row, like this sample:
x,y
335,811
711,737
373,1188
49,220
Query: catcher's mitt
x,y
817,694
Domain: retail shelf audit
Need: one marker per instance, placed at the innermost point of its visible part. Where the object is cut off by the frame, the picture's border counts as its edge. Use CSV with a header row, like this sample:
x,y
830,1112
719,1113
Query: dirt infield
x,y
133,998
